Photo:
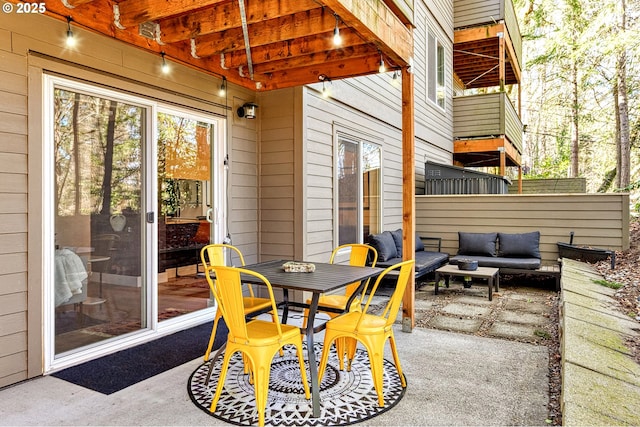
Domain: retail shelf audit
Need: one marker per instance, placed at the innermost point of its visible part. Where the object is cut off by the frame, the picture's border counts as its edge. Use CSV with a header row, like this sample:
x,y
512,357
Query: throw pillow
x,y
384,244
523,245
483,244
397,238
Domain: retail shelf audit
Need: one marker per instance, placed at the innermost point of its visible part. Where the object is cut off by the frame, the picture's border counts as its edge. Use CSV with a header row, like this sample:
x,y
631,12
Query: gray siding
x,y
550,185
487,115
599,220
277,178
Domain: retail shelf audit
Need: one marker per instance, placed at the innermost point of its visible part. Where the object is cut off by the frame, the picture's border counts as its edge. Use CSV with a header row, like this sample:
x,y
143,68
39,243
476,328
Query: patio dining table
x,y
326,278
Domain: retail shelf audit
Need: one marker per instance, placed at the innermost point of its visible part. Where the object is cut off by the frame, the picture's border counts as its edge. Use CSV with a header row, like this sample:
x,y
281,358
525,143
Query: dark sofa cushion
x,y
500,262
426,262
384,244
397,238
519,245
483,244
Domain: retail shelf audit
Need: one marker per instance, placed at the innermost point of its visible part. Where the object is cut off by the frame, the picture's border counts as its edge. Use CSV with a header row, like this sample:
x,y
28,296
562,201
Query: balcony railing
x,y
485,116
475,13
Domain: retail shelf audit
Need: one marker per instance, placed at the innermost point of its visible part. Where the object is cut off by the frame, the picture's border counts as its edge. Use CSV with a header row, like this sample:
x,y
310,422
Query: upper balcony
x,y
487,43
486,127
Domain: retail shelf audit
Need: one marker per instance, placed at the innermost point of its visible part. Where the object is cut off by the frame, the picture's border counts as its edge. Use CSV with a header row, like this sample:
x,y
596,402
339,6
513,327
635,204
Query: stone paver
x,y
520,318
456,324
458,309
514,331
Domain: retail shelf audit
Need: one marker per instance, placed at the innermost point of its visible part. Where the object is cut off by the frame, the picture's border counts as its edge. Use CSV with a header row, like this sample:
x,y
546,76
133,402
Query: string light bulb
x,y
71,41
223,87
337,39
382,68
395,79
165,66
325,90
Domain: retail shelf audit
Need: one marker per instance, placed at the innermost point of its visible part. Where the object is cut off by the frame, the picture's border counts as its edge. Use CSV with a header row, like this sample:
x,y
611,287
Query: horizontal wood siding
x,y
13,212
477,115
277,175
599,220
511,21
512,122
550,185
469,13
486,115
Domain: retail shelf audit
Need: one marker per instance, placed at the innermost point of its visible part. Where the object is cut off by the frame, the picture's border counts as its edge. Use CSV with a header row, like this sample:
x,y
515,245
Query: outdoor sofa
x,y
428,252
512,253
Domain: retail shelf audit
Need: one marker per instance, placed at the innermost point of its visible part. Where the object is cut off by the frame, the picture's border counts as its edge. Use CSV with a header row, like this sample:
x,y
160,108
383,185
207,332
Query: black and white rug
x,y
345,397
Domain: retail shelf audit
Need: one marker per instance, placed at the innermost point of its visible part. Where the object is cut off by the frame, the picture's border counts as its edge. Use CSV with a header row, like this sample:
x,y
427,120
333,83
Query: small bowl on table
x,y
467,264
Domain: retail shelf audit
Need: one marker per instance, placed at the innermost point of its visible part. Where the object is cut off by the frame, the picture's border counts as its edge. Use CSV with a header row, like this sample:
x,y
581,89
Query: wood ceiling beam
x,y
134,12
334,70
290,48
378,25
74,3
294,26
315,59
225,16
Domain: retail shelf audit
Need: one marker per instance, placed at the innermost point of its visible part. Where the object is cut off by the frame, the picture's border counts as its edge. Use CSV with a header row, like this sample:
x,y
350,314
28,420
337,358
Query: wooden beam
x,y
334,70
294,26
74,3
377,24
225,16
290,48
134,12
408,196
314,59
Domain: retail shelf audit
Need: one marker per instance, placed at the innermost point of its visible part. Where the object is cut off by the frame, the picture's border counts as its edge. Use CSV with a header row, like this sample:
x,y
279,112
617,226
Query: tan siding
x,y
12,368
599,220
473,12
277,179
11,283
14,343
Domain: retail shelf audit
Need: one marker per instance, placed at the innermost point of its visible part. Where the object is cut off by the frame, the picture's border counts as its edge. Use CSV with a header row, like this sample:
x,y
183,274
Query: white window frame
x,y
435,71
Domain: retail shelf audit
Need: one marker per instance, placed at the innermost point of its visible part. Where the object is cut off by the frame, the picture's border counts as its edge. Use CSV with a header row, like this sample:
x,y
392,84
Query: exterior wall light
x,y
248,110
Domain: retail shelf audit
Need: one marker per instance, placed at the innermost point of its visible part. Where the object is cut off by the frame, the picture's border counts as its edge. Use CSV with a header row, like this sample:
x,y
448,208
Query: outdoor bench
x,y
388,244
511,253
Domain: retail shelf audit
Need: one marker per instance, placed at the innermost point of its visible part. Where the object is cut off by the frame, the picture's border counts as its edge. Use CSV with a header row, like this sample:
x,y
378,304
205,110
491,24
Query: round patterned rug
x,y
345,397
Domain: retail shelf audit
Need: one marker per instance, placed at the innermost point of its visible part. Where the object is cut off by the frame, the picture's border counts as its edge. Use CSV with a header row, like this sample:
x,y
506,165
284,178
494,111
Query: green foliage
x,y
608,284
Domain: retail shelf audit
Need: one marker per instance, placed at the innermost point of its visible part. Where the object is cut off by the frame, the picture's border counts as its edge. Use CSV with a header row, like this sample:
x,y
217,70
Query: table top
x,y
326,277
480,272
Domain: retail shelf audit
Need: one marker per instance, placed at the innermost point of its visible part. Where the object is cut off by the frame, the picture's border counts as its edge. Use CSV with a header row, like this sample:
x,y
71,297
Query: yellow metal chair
x,y
215,255
371,330
359,255
257,340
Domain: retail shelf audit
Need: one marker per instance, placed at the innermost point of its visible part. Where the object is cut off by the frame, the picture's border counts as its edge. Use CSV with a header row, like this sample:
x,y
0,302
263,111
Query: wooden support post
x,y
408,196
503,161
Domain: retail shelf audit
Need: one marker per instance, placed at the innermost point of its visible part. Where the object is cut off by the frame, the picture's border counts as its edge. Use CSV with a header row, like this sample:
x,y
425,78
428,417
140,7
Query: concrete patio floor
x,y
453,379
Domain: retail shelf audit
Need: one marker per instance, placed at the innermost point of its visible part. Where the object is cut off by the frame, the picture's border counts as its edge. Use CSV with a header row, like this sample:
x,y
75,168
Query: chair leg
x,y
396,359
213,335
221,378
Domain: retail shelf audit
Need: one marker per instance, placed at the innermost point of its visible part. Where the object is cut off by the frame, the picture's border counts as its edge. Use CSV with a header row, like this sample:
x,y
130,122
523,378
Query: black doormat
x,y
119,370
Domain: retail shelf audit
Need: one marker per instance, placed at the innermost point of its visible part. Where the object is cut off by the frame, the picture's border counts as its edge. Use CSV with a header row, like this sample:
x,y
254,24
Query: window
x,y
358,189
435,71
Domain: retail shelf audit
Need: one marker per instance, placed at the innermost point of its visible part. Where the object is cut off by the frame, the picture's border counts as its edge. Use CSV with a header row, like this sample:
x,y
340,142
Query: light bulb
x,y
223,87
165,66
71,41
337,39
382,67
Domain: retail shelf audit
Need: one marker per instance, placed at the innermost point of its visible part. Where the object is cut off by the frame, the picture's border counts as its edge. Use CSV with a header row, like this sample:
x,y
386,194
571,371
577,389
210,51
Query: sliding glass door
x,y
100,286
136,190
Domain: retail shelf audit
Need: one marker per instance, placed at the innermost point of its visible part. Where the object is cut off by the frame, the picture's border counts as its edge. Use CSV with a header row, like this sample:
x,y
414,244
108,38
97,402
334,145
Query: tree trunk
x,y
108,160
76,154
623,109
575,137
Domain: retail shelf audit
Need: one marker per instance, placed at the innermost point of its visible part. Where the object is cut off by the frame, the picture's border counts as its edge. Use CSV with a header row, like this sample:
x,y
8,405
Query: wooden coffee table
x,y
489,273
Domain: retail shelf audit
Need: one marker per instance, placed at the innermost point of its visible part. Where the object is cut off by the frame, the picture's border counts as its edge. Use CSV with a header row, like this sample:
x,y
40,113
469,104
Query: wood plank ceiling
x,y
258,44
